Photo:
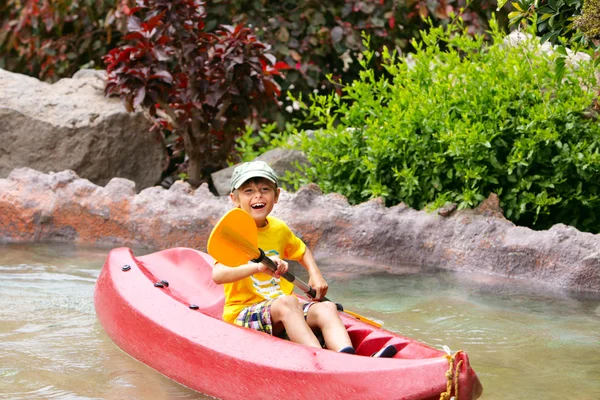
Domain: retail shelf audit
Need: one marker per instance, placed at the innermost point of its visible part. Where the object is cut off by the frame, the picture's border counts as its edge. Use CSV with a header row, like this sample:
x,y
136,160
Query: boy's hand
x,y
282,267
317,282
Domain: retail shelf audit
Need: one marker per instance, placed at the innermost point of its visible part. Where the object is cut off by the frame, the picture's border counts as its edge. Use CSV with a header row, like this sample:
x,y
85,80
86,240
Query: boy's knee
x,y
325,310
328,307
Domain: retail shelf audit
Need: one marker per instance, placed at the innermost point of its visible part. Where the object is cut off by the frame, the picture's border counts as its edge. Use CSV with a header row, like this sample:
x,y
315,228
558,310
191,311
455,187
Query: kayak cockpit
x,y
188,274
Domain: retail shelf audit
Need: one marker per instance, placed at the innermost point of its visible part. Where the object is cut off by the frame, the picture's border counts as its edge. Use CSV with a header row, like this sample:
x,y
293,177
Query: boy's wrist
x,y
255,267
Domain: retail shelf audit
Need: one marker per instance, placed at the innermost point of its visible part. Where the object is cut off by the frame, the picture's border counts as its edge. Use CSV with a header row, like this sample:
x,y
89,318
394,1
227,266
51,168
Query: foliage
x,y
202,86
55,38
421,136
321,37
253,143
553,19
52,39
568,24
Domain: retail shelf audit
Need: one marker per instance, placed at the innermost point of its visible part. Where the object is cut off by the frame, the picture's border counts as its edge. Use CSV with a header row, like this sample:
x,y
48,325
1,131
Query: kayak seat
x,y
357,334
379,339
189,275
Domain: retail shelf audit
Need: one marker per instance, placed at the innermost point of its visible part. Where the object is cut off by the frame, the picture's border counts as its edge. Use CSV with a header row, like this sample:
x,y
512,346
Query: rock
x,y
61,206
281,160
71,125
447,210
490,207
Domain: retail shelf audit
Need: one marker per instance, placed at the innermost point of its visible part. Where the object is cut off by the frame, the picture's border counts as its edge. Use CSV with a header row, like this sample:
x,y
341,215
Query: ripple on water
x,y
46,392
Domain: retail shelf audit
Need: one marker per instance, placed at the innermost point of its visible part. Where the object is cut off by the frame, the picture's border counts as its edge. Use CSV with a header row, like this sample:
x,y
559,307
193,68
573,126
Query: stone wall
x,y
61,206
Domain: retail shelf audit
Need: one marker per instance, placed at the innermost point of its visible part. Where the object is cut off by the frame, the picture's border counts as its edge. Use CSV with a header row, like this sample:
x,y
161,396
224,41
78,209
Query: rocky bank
x,y
36,206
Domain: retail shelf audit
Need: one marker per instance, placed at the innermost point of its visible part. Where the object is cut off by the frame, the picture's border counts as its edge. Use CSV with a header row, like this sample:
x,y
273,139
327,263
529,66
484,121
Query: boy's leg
x,y
324,316
287,313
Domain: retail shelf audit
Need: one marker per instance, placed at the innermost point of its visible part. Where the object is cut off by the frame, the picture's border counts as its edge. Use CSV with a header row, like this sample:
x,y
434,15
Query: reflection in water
x,y
525,343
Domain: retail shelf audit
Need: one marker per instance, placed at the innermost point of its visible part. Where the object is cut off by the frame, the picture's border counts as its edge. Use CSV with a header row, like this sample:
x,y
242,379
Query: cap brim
x,y
249,175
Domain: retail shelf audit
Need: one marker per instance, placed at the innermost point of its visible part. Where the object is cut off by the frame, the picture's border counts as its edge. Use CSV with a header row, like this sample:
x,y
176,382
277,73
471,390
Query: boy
x,y
256,297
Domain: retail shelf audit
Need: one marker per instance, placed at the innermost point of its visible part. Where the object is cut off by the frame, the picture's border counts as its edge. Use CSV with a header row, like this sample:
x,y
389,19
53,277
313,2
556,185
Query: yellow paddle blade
x,y
234,240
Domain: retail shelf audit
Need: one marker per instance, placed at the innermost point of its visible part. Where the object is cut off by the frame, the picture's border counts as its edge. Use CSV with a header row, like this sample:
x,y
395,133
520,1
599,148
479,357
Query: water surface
x,y
524,342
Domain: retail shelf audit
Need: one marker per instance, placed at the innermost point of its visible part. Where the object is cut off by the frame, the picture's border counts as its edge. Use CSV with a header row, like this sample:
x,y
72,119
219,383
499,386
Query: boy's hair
x,y
254,169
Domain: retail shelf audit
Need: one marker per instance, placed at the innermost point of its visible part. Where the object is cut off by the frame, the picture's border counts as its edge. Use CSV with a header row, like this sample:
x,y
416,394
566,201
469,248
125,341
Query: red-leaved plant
x,y
204,87
53,39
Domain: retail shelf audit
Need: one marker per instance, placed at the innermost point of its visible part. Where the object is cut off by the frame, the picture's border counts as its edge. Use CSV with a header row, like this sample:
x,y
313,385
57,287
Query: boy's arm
x,y
315,279
224,274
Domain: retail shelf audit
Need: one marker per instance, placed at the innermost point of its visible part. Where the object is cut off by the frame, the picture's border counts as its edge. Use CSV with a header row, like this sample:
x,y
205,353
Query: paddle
x,y
234,241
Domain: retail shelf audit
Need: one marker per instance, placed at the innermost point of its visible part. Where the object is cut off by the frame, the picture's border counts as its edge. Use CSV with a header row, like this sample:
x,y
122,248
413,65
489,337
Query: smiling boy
x,y
256,297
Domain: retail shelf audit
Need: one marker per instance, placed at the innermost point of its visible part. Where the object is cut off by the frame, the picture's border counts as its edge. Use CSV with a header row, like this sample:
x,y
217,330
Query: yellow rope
x,y
451,377
456,377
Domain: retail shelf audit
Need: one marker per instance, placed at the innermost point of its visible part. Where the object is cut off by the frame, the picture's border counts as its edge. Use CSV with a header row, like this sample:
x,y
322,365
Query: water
x,y
524,342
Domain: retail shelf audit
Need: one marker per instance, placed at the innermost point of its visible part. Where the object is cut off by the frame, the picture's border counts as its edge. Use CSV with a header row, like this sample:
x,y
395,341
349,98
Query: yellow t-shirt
x,y
274,239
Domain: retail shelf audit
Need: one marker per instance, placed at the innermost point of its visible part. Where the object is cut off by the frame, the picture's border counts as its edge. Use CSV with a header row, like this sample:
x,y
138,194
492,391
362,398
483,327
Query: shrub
x,y
252,143
201,86
55,38
457,120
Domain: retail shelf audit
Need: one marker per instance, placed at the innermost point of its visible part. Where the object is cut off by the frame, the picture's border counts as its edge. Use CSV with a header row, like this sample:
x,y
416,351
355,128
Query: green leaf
x,y
514,14
501,4
559,68
549,36
562,50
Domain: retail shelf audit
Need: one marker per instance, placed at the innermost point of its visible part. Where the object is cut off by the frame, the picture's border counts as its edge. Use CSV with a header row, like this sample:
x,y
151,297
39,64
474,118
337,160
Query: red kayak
x,y
164,310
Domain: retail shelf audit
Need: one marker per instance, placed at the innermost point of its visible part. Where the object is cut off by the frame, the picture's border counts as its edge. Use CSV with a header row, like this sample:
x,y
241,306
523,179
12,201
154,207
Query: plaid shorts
x,y
258,316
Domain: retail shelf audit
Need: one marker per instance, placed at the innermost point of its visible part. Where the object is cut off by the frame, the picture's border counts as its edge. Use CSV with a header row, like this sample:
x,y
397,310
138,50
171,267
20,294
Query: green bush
x,y
460,119
256,141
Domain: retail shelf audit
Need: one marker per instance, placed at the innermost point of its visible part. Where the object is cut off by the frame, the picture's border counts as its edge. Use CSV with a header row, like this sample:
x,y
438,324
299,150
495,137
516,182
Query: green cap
x,y
253,169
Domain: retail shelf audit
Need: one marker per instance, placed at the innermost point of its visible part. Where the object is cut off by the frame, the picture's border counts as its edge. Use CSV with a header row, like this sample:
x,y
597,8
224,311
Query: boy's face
x,y
257,197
